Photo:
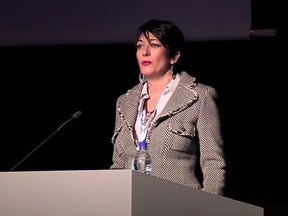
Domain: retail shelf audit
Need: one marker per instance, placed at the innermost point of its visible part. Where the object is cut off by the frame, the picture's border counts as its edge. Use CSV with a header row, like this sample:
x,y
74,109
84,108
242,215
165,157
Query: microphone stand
x,y
75,116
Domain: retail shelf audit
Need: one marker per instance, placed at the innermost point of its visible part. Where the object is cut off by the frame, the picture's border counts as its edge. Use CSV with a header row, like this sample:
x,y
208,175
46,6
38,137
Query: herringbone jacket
x,y
185,136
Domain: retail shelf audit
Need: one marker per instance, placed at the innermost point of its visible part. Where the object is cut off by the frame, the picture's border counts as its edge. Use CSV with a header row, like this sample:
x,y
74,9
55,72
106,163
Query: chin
x,y
146,73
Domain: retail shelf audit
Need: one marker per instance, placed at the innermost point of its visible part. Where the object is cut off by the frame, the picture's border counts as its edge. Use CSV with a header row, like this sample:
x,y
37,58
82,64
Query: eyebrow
x,y
149,39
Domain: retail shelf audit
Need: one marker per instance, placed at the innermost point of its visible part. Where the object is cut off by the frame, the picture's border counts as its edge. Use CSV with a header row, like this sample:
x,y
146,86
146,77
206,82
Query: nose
x,y
146,51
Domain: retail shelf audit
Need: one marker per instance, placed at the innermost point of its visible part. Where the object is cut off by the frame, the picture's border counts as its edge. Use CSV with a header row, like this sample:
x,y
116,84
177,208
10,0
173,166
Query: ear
x,y
175,58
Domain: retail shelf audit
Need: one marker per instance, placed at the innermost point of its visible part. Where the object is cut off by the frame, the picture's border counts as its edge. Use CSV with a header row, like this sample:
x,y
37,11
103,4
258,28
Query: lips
x,y
145,63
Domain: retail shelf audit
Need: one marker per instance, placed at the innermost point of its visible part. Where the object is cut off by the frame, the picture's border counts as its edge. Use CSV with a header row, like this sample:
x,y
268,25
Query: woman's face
x,y
152,56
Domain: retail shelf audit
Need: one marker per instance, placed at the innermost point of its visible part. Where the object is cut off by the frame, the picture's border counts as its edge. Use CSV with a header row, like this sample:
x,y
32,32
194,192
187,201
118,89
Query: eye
x,y
154,45
138,46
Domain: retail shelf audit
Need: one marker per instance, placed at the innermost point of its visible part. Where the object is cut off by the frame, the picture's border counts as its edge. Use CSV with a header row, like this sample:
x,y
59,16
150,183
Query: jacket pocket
x,y
182,128
182,135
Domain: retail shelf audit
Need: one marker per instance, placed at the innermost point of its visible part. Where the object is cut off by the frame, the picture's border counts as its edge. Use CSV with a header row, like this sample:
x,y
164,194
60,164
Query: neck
x,y
159,84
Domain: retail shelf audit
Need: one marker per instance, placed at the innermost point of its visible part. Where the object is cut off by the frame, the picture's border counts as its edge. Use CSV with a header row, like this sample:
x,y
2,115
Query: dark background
x,y
43,85
51,22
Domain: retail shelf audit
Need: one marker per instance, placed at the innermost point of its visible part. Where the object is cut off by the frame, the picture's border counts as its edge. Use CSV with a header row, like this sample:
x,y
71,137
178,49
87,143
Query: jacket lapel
x,y
129,106
183,96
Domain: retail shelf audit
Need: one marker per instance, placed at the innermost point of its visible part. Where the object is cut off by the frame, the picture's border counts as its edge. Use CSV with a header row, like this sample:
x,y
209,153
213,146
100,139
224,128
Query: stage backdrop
x,y
47,22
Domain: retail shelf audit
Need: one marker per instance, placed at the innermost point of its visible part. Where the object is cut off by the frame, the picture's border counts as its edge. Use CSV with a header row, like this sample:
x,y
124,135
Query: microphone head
x,y
76,115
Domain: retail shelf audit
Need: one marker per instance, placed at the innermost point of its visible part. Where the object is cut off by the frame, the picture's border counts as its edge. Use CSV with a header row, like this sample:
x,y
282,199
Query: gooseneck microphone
x,y
75,116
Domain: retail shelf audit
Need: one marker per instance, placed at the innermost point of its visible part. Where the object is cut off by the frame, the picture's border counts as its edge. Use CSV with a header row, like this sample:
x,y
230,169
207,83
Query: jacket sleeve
x,y
117,161
212,159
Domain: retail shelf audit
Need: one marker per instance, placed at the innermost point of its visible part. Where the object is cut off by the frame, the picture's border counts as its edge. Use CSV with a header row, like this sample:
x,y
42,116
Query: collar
x,y
171,86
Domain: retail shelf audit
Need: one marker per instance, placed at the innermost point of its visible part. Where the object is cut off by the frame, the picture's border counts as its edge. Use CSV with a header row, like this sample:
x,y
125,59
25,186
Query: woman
x,y
177,116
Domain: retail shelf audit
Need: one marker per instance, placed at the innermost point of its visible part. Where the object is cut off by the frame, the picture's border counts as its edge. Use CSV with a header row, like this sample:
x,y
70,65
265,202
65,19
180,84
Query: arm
x,y
117,162
212,159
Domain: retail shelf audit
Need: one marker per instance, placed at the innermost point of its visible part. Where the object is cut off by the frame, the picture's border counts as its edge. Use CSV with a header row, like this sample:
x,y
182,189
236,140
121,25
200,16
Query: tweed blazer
x,y
185,136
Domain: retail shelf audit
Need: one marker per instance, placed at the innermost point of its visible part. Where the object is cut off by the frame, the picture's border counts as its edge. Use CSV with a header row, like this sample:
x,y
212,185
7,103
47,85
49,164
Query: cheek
x,y
138,57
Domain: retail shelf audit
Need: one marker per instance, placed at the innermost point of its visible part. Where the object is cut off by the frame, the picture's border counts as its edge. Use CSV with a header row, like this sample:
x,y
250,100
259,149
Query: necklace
x,y
149,115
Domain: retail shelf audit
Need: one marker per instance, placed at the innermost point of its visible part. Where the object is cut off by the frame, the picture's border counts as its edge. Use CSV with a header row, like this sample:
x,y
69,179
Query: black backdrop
x,y
42,86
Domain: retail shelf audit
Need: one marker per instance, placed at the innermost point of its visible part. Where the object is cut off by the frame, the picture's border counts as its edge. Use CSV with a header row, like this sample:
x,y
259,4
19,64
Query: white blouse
x,y
144,120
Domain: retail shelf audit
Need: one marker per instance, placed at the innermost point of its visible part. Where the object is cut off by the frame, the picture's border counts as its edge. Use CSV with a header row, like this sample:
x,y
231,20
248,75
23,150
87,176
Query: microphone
x,y
75,116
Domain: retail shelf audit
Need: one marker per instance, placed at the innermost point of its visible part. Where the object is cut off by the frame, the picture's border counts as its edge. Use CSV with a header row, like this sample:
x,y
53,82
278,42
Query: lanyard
x,y
145,122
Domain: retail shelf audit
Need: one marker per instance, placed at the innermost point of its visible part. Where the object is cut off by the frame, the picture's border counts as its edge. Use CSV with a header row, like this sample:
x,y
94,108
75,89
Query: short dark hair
x,y
166,32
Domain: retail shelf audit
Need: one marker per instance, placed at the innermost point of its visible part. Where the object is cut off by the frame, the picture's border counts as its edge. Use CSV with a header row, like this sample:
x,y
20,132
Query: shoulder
x,y
131,93
192,83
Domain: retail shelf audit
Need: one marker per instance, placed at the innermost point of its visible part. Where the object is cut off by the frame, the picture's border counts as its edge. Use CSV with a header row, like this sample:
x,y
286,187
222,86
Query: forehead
x,y
148,36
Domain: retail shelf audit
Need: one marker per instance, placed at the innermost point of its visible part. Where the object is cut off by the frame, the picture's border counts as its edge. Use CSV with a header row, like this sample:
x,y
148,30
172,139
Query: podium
x,y
109,193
